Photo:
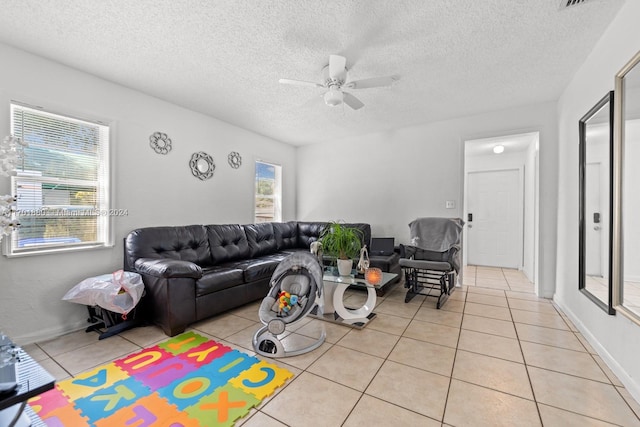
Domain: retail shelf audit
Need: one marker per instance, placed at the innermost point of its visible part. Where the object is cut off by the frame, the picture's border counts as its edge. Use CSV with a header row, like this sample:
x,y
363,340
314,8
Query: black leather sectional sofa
x,y
194,272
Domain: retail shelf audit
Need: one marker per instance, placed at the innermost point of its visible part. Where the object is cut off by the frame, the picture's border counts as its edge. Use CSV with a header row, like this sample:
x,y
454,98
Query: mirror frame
x,y
195,163
607,306
618,226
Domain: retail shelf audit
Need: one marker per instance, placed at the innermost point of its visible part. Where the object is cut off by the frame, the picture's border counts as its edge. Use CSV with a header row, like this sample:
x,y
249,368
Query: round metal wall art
x,y
202,165
160,143
234,159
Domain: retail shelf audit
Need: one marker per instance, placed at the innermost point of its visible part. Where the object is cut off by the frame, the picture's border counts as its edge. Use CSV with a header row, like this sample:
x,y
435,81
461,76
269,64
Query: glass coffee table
x,y
30,380
336,311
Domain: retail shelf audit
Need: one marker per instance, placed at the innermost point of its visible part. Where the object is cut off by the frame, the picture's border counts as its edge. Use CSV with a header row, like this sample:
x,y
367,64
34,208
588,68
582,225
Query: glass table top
x,y
330,276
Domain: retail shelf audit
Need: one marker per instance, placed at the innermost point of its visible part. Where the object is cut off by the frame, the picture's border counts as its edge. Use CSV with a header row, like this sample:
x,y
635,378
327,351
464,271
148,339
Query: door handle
x,y
596,227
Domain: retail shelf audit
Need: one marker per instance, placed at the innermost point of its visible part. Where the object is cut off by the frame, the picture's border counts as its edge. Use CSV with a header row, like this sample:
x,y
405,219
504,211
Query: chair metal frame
x,y
428,277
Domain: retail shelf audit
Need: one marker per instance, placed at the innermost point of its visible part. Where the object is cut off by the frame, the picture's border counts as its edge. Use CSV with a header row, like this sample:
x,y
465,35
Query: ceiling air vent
x,y
569,3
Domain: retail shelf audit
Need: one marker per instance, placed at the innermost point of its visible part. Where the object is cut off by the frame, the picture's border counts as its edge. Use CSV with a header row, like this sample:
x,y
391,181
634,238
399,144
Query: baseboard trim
x,y
49,334
632,386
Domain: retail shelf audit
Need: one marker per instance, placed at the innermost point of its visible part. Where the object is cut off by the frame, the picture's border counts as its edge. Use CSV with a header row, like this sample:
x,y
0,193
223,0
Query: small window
x,y
268,193
62,183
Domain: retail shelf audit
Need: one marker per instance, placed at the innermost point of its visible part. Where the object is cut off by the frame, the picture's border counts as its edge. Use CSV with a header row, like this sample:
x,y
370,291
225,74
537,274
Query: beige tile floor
x,y
494,355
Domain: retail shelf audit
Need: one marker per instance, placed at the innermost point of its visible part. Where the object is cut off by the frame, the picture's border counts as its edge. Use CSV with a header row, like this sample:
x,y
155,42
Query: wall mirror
x,y
596,207
202,165
626,274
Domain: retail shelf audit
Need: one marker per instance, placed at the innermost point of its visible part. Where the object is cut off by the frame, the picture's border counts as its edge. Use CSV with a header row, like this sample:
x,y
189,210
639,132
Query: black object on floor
x,y
110,323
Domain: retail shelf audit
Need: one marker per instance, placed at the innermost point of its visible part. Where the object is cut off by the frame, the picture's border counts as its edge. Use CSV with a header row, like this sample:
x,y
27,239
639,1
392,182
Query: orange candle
x,y
373,275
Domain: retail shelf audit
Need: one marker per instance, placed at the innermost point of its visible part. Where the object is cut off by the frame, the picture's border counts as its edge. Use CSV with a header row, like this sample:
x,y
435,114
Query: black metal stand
x,y
110,323
437,284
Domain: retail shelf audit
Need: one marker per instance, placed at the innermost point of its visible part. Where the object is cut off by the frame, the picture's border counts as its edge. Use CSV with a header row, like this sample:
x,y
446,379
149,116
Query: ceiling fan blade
x,y
299,83
337,65
352,101
372,82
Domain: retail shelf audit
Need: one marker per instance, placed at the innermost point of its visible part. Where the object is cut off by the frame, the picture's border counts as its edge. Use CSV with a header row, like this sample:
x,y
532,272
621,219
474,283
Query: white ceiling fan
x,y
334,78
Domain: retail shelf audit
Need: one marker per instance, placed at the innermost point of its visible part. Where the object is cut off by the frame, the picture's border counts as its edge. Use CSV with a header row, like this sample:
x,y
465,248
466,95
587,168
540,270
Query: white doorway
x,y
593,218
501,194
494,218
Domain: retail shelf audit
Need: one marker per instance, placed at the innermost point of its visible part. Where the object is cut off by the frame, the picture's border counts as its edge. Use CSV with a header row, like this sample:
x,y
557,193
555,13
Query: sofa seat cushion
x,y
257,269
287,252
218,278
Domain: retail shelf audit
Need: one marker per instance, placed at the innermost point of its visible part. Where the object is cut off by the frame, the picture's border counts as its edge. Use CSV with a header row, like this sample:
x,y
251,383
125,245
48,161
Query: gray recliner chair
x,y
432,262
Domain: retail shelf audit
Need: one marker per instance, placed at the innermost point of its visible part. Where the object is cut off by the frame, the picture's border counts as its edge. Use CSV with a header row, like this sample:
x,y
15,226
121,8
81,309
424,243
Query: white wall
x,y
155,189
616,338
390,178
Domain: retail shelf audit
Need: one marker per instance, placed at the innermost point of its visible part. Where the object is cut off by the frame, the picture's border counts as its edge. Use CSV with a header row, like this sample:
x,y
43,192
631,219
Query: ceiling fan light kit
x,y
333,97
334,78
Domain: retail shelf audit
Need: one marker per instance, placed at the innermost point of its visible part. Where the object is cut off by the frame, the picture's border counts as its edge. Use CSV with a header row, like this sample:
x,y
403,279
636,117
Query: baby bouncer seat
x,y
296,288
432,262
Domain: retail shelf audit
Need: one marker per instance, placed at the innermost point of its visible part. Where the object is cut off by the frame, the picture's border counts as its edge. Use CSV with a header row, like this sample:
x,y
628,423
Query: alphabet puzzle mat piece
x,y
107,401
142,360
91,381
149,411
223,407
65,416
205,353
183,342
262,379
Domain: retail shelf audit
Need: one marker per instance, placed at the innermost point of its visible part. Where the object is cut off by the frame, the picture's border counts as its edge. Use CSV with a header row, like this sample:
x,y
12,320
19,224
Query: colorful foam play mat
x,y
186,381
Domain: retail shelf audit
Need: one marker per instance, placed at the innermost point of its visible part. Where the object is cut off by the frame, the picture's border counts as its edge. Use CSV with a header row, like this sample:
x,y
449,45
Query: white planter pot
x,y
345,266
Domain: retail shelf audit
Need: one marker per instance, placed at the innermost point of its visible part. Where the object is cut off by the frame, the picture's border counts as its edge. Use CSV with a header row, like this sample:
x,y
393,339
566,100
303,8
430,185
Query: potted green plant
x,y
343,243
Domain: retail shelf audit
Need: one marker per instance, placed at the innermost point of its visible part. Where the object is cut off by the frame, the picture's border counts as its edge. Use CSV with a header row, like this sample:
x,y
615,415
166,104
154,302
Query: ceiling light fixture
x,y
498,149
333,97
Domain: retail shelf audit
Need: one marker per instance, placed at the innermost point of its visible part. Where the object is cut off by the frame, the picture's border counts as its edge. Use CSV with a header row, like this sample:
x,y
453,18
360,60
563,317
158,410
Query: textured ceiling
x,y
224,58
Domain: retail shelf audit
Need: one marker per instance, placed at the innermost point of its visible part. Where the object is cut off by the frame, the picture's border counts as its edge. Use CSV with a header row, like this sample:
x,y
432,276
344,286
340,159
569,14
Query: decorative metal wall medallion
x,y
234,159
160,142
202,165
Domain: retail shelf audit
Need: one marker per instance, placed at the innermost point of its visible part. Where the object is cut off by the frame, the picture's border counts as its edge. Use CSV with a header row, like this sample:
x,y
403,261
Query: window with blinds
x,y
268,192
62,183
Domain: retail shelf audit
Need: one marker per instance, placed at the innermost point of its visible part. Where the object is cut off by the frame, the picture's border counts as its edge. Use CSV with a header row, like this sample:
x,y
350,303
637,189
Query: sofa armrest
x,y
168,268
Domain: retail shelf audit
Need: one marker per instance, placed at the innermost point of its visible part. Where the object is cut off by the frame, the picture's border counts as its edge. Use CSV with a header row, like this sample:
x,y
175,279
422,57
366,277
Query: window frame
x,y
277,196
104,183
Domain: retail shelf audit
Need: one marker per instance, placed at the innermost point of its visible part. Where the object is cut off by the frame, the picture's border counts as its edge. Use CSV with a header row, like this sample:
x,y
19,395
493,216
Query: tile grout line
x,y
455,356
526,365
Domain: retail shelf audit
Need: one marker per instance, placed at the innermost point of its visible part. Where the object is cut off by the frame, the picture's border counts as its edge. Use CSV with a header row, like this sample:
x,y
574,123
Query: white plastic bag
x,y
119,292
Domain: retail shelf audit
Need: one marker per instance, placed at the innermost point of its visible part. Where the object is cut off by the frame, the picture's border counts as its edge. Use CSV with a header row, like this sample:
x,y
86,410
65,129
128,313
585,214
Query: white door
x,y
494,230
593,221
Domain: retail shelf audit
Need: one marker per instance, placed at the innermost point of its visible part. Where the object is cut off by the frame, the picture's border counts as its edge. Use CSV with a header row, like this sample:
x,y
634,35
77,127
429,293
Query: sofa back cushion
x,y
228,242
186,243
366,232
286,234
309,232
262,239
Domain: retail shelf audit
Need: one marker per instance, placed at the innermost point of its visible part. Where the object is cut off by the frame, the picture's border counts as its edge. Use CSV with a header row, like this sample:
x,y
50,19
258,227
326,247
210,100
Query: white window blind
x,y
62,183
268,192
